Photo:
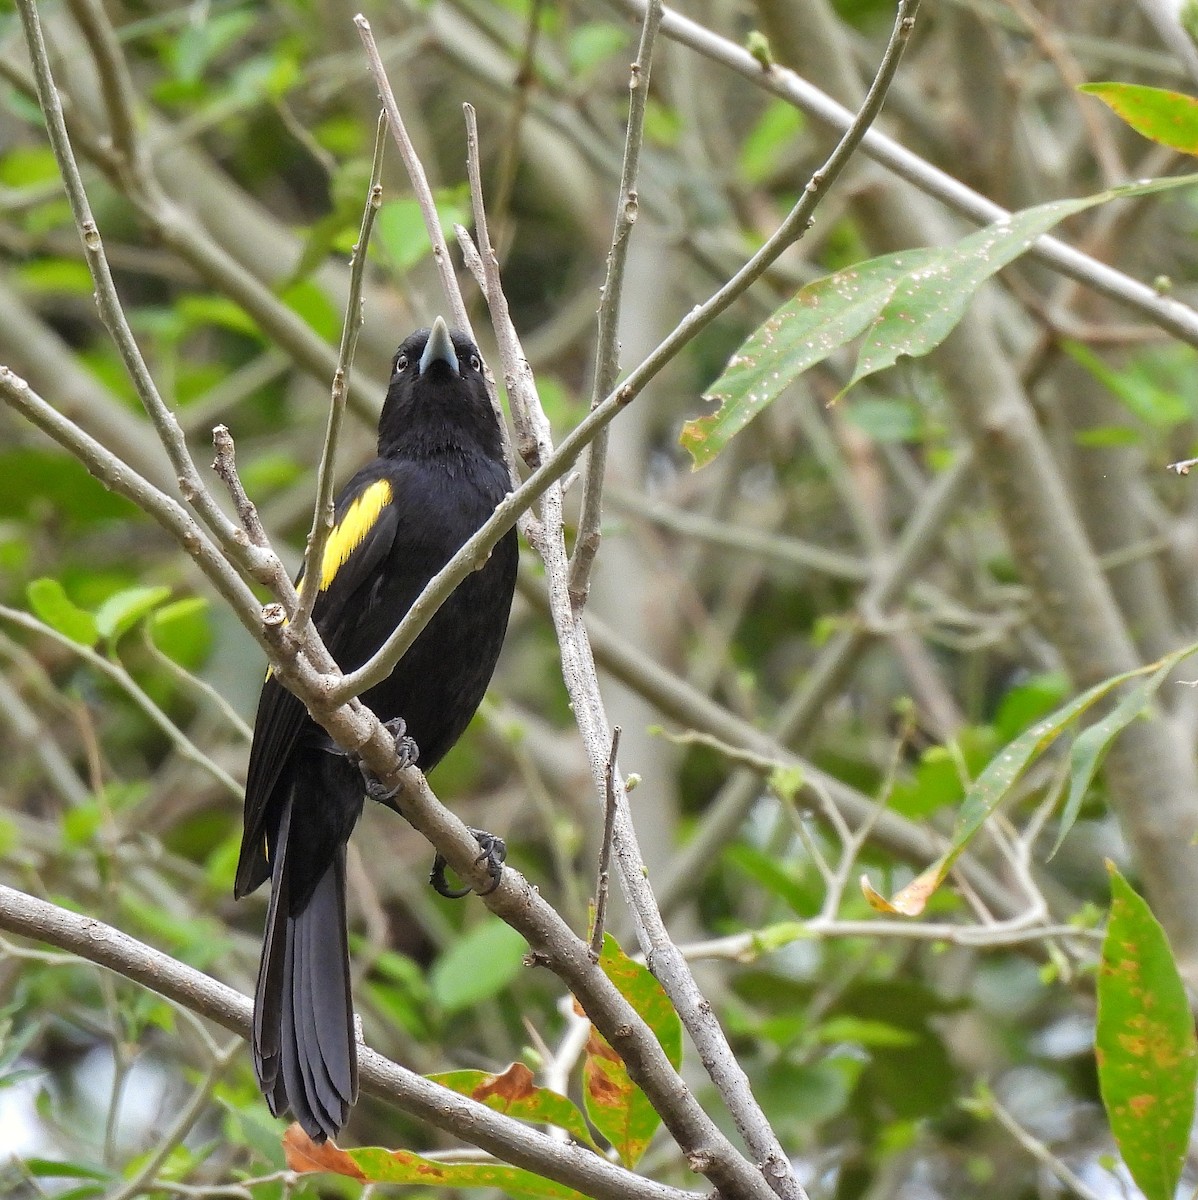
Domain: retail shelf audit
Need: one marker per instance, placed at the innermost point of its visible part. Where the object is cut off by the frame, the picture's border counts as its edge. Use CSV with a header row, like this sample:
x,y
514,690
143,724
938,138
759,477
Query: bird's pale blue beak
x,y
439,348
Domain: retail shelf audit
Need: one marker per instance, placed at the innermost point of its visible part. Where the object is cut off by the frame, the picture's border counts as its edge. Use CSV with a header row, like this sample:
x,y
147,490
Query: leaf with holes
x,y
906,304
824,316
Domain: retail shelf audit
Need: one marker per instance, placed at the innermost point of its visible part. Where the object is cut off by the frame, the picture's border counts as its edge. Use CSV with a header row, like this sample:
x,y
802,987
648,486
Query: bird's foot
x,y
494,852
408,753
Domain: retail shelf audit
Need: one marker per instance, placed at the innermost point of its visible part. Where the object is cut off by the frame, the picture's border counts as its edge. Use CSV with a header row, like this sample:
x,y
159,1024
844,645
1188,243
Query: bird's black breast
x,y
436,507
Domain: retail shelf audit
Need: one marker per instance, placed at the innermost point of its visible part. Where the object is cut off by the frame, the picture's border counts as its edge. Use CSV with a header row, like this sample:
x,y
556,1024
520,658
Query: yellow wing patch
x,y
358,521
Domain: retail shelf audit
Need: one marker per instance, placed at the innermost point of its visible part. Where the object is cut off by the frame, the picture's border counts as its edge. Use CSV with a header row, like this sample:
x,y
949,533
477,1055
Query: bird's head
x,y
438,395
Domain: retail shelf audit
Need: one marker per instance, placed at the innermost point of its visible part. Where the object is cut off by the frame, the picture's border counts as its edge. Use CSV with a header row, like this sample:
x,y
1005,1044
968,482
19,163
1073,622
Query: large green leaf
x,y
824,316
1170,118
615,1105
905,303
1145,1045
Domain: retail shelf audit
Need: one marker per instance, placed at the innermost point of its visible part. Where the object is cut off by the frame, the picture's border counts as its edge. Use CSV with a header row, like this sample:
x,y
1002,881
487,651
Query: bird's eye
x,y
401,363
475,364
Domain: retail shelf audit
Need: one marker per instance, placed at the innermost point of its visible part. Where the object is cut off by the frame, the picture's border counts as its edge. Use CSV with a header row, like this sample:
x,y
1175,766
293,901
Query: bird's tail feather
x,y
303,1037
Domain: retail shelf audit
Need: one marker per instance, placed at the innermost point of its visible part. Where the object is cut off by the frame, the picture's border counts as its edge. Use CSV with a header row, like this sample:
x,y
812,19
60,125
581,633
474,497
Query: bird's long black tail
x,y
303,1037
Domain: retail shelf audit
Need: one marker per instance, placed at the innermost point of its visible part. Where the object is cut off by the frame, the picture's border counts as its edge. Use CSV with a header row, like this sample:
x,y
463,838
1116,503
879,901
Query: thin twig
x,y
607,345
609,825
517,375
225,466
987,1103
115,82
524,83
1001,935
187,680
419,180
322,517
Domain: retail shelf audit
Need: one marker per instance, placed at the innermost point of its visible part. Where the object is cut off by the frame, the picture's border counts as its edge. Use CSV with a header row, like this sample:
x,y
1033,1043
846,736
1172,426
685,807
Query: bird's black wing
x,y
362,537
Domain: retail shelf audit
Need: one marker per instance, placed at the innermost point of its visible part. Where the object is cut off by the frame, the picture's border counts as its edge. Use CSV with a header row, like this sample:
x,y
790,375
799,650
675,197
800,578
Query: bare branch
x,y
610,803
705,1147
607,347
322,517
419,180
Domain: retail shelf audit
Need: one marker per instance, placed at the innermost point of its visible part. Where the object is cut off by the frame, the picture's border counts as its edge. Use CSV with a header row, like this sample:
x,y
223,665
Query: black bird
x,y
438,476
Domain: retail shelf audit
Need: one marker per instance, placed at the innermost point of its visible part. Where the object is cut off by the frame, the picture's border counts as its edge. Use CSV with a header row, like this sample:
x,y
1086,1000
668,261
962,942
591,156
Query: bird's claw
x,y
494,852
408,753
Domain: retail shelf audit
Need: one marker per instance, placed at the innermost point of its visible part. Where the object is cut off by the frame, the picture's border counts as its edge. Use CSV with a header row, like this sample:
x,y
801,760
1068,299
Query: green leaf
x,y
1155,405
865,1032
27,166
513,1092
1145,1045
767,871
1100,437
996,781
121,611
477,966
379,1165
762,150
399,228
928,304
819,320
906,304
198,311
1029,701
615,1105
307,300
57,275
49,1168
1170,118
49,601
1092,744
592,44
